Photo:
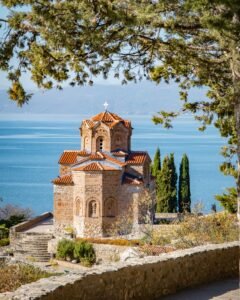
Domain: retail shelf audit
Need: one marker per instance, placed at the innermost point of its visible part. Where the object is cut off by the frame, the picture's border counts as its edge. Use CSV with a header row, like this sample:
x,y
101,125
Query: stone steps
x,y
34,246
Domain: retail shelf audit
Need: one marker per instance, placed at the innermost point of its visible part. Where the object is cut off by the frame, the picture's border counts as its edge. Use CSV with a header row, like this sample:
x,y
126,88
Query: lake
x,y
30,146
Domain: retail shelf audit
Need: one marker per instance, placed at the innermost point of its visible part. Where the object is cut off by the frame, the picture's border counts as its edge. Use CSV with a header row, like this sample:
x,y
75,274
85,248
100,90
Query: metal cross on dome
x,y
105,105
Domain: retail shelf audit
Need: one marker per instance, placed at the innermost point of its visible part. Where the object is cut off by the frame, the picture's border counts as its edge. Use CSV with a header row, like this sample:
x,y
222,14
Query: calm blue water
x,y
30,149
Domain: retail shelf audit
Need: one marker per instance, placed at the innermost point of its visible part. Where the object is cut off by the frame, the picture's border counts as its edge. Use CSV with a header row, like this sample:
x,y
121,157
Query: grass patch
x,y
116,242
13,276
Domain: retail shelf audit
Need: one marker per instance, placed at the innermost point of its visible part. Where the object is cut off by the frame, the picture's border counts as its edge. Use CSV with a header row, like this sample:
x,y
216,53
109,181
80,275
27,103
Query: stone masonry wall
x,y
147,278
108,253
63,205
64,169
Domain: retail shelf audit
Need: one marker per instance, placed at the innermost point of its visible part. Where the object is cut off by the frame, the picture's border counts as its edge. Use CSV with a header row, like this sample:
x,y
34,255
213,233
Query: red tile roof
x,y
95,167
65,180
103,156
89,123
96,156
136,158
119,153
70,156
109,118
114,160
106,116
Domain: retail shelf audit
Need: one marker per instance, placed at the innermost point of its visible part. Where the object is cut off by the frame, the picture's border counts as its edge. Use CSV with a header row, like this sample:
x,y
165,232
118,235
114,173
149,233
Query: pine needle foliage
x,y
166,186
192,42
156,165
229,200
184,193
174,177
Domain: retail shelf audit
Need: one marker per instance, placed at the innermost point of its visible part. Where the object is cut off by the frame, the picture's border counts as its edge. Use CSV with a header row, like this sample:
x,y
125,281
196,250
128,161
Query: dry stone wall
x,y
145,278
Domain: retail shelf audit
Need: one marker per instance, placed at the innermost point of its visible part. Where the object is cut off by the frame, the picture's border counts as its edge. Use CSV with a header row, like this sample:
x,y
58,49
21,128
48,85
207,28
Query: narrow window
x,y
100,143
92,209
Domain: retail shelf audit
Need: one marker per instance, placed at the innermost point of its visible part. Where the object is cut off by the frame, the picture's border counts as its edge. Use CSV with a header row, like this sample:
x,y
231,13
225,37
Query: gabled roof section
x,y
101,156
63,180
137,158
69,157
95,166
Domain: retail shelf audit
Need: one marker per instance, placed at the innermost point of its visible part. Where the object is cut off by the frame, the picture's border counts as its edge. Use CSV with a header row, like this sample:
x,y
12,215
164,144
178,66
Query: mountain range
x,y
141,98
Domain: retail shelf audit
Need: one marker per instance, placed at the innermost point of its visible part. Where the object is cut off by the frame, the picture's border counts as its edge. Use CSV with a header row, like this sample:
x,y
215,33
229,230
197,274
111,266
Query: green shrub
x,y
13,220
65,249
229,200
4,232
4,242
84,252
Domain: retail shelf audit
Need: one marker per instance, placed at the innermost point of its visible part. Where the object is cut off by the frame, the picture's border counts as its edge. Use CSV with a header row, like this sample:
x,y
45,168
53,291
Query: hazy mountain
x,y
141,98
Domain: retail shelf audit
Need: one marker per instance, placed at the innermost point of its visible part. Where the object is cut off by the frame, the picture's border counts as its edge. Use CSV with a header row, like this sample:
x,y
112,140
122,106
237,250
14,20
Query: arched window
x,y
109,207
100,143
78,207
86,142
92,209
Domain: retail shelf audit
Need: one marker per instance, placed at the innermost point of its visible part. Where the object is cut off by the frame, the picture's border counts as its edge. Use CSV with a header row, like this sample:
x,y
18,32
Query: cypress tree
x,y
164,188
173,203
184,193
156,166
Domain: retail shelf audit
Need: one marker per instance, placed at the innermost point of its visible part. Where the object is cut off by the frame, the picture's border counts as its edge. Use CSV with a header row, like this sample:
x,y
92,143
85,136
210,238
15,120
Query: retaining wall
x,y
147,278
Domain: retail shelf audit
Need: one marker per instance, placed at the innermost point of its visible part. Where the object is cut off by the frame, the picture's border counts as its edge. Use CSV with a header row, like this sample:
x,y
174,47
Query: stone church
x,y
103,182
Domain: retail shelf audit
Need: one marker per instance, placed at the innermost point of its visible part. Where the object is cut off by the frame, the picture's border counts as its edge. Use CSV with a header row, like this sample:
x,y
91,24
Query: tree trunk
x,y
237,116
236,86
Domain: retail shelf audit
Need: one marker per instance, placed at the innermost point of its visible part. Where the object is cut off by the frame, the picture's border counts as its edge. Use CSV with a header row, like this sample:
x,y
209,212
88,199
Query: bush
x,y
13,276
229,200
117,242
215,228
4,242
4,232
80,250
84,252
65,249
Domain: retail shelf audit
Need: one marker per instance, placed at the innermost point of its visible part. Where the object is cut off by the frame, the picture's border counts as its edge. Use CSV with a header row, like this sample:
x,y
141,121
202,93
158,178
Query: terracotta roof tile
x,y
136,158
89,123
109,118
119,153
70,156
106,116
65,180
114,160
95,167
96,156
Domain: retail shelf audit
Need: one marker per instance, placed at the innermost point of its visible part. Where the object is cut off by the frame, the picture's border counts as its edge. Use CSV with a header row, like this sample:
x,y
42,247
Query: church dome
x,y
109,118
106,116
